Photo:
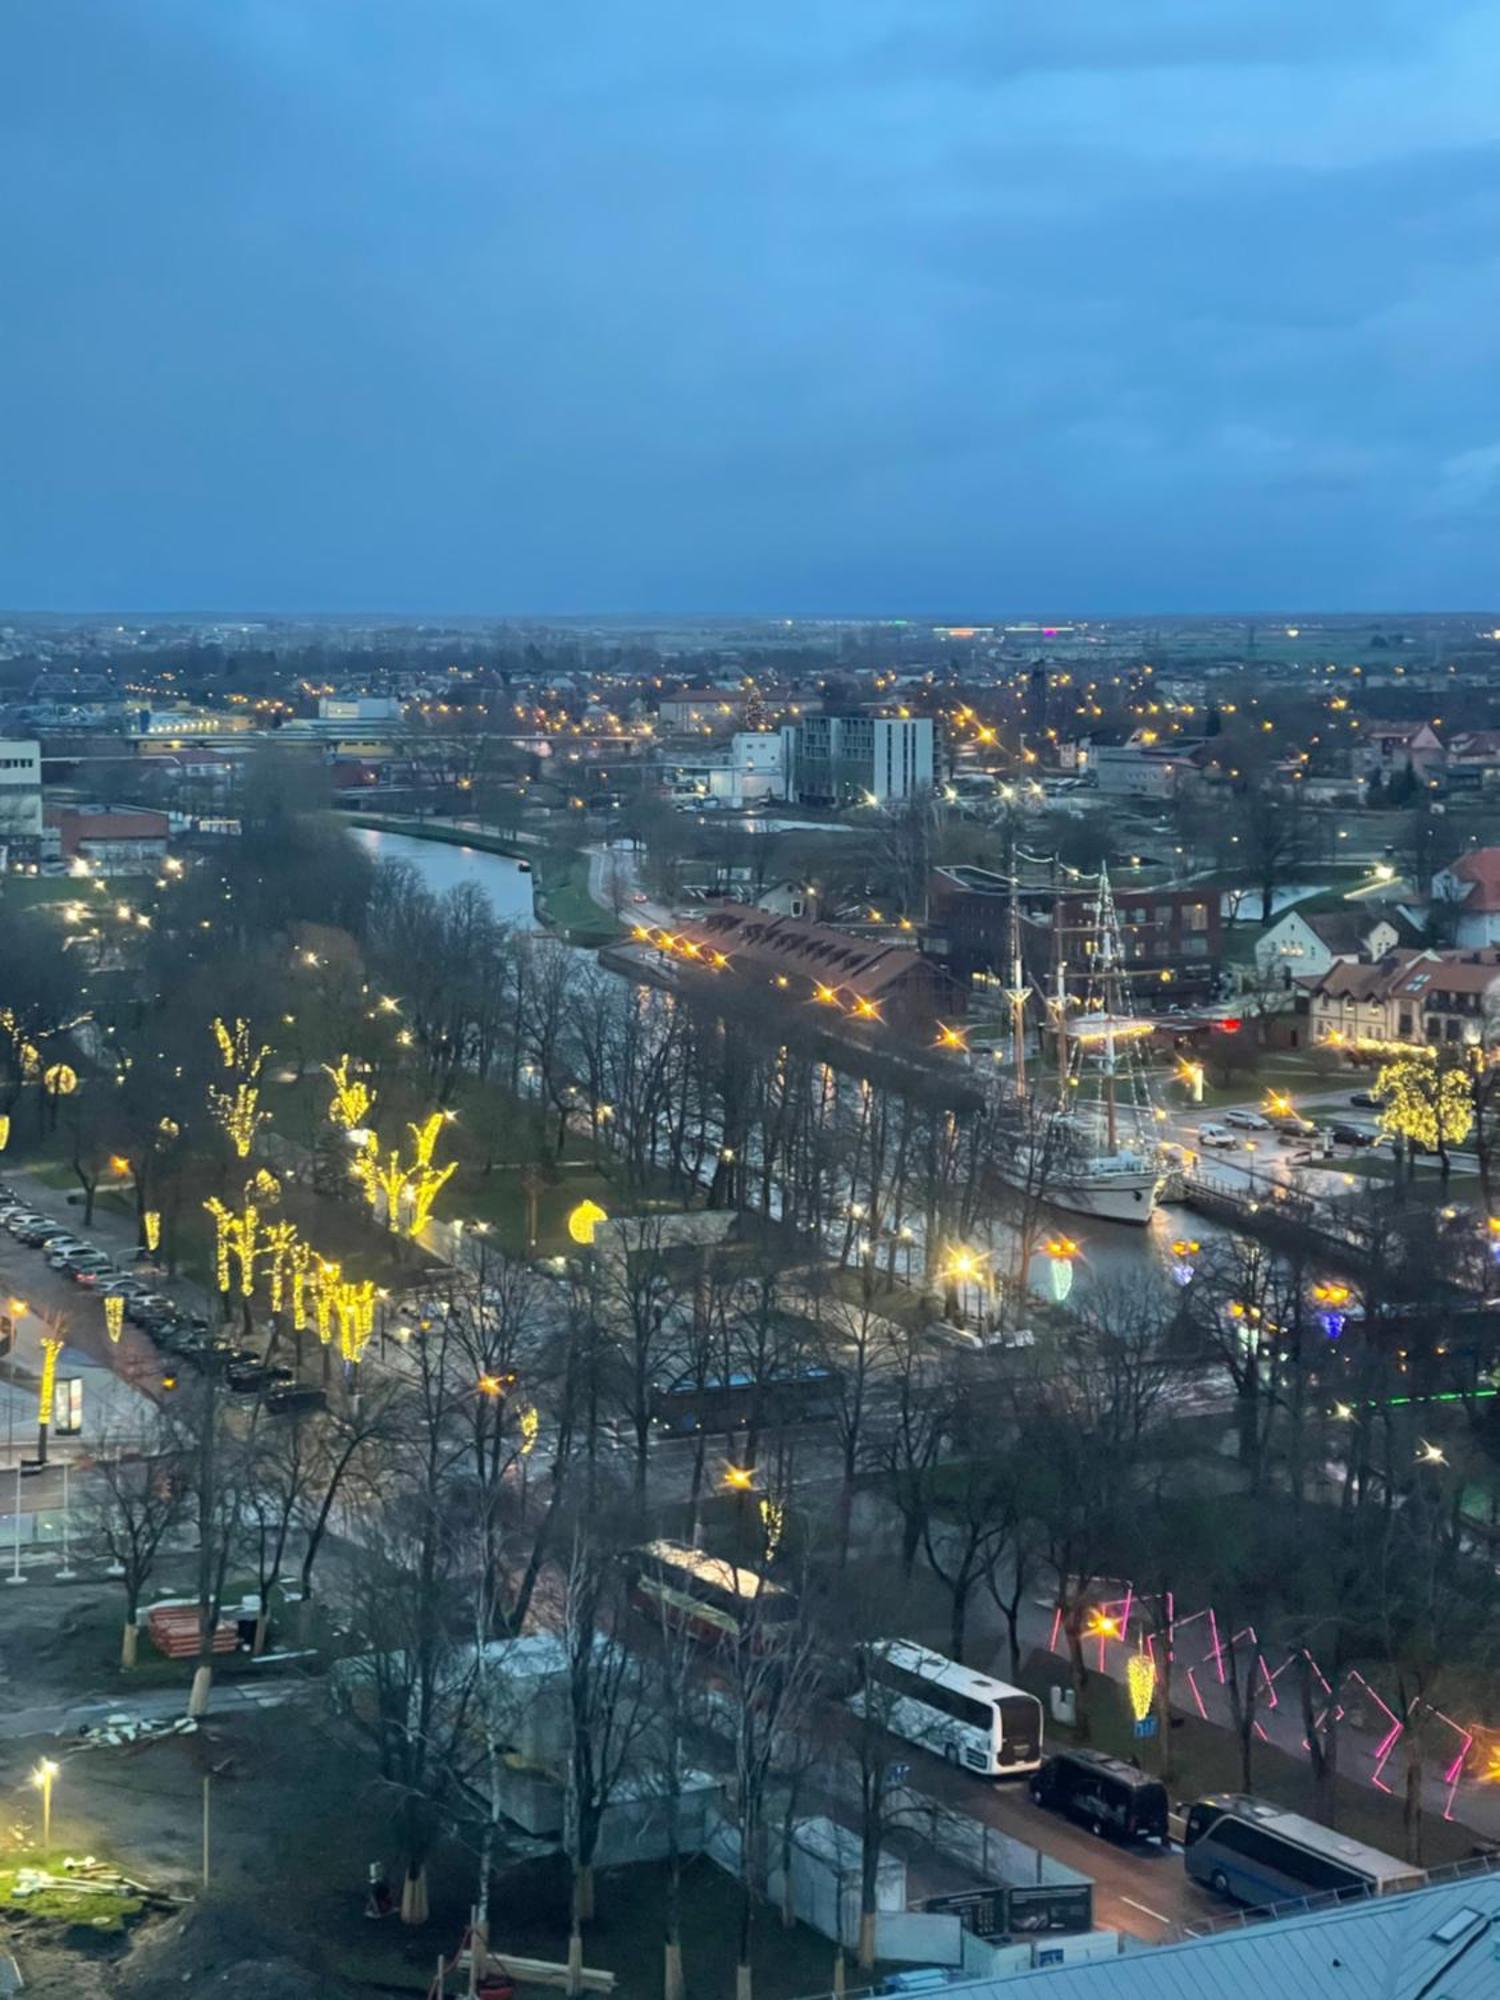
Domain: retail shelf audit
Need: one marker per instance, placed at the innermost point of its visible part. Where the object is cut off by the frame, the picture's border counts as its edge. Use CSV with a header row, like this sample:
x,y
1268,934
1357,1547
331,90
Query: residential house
x,y
1304,944
1386,749
1425,998
1474,759
1472,883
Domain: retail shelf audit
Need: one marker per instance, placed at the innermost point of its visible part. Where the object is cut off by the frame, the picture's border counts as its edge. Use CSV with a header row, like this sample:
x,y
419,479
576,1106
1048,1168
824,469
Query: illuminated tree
x,y
234,1241
352,1098
386,1179
235,1106
1426,1101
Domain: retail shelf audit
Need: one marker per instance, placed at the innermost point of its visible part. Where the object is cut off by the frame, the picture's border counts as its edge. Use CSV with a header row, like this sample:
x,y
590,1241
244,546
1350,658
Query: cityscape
x,y
749,1005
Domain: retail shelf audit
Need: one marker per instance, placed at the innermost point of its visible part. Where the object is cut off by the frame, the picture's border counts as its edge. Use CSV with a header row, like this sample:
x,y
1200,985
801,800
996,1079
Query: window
x,y
1195,917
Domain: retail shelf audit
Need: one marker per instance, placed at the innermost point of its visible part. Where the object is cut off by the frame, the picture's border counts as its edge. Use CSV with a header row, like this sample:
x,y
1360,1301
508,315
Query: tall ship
x,y
1092,1146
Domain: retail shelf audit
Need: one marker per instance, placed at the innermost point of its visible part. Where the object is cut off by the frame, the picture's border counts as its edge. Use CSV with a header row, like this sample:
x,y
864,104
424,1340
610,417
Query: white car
x,y
1246,1120
1216,1135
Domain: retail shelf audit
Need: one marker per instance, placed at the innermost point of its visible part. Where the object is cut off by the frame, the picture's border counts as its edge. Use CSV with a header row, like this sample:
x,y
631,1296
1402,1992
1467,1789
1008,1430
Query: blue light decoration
x,y
1333,1324
1182,1267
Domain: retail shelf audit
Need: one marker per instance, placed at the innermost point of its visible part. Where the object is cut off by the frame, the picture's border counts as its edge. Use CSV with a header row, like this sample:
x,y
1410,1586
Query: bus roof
x,y
1381,1868
713,1569
947,1673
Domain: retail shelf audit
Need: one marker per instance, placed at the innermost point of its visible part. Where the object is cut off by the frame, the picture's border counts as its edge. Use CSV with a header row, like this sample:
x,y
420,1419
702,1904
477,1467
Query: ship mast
x,y
1017,994
1104,946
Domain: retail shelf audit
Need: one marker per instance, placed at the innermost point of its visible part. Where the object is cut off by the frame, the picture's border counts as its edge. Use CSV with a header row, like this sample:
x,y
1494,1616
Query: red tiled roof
x,y
1481,870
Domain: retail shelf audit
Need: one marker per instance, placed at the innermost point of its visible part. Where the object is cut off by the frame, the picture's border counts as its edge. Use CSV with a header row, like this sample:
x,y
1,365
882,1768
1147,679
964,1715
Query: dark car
x,y
1366,1099
1108,1796
1350,1135
247,1377
294,1399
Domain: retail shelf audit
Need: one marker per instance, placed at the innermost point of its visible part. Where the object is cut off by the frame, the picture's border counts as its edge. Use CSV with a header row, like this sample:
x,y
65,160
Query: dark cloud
x,y
909,304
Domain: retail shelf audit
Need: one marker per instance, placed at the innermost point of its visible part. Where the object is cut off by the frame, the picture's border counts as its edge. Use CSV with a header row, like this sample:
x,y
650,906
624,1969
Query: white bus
x,y
704,1595
1257,1854
982,1724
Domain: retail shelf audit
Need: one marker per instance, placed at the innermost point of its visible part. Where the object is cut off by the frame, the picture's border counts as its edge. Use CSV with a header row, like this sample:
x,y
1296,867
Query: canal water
x,y
443,867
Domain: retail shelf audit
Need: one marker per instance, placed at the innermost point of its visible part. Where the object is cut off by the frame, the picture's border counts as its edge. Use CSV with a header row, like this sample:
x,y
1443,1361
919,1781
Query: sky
x,y
955,307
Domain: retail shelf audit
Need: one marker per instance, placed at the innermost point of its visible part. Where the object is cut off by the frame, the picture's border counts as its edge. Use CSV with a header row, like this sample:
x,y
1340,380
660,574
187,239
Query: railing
x,y
1303,1906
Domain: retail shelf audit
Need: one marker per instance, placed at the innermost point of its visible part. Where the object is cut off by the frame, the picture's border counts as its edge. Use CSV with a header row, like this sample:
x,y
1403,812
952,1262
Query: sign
x,y
1062,1906
1146,1726
978,1910
67,1406
1017,1911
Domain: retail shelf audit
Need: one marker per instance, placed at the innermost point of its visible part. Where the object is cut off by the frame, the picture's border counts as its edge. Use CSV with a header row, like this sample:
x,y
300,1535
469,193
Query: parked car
x,y
153,1306
88,1271
1245,1120
294,1399
1350,1135
123,1288
1216,1135
1366,1099
61,1250
248,1377
21,1219
1292,1125
1108,1796
42,1230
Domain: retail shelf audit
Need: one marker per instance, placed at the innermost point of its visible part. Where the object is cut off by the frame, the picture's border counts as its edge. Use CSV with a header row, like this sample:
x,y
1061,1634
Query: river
x,y
443,866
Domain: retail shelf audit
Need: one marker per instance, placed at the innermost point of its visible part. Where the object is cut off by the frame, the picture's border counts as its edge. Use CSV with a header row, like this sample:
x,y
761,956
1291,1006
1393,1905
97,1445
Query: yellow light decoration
x,y
52,1346
1140,1680
427,1181
325,1289
1490,1775
114,1315
278,1242
352,1097
355,1306
151,1223
773,1520
4,1130
60,1080
236,1109
169,1129
531,1423
1424,1102
584,1220
234,1240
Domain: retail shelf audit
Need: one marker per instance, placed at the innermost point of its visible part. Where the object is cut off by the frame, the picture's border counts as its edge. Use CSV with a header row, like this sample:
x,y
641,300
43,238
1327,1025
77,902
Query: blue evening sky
x,y
958,306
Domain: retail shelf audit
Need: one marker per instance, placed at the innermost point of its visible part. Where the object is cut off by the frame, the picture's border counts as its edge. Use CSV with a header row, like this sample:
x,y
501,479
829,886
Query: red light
x,y
1228,1027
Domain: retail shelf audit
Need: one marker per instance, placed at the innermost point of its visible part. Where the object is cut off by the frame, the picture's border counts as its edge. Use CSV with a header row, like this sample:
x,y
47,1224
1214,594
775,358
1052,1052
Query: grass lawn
x,y
92,1909
563,896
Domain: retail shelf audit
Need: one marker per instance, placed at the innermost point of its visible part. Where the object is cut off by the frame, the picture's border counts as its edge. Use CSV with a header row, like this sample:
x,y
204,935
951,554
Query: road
x,y
1140,1889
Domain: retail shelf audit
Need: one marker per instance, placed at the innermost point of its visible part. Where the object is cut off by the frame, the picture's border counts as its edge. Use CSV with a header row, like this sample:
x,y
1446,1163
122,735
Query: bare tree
x,y
138,1498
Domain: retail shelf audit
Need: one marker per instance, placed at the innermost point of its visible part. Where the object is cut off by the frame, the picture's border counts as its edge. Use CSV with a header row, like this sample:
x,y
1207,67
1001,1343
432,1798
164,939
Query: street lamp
x,y
739,1478
42,1778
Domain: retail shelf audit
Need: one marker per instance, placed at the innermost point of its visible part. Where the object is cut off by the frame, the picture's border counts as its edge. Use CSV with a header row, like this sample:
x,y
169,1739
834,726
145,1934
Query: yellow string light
x,y
352,1098
114,1315
52,1346
151,1223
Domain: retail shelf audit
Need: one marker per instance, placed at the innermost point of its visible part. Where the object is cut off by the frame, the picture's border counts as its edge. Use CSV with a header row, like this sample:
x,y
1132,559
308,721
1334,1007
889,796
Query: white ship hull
x,y
1119,1193
1109,1197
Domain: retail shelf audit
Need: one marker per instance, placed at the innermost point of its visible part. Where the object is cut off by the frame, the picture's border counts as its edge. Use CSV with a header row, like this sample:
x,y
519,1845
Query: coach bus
x,y
741,1401
704,1595
1256,1854
982,1724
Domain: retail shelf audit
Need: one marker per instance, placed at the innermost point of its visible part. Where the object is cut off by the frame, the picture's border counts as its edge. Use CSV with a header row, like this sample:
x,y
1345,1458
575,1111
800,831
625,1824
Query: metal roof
x,y
1433,1944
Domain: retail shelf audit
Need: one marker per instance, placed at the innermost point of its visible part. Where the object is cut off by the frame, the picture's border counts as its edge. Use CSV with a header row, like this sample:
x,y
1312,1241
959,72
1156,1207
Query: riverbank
x,y
561,900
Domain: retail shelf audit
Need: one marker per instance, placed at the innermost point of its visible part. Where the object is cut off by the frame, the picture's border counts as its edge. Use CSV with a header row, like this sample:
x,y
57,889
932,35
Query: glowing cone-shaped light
x,y
1140,1682
114,1315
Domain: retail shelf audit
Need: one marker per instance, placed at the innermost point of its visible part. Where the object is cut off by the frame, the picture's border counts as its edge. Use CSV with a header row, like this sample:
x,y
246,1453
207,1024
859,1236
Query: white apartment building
x,y
20,798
